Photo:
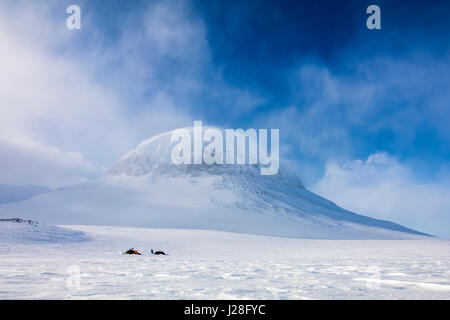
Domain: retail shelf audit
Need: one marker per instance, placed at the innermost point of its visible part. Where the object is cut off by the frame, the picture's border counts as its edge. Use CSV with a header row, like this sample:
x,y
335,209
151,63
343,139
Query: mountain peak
x,y
152,157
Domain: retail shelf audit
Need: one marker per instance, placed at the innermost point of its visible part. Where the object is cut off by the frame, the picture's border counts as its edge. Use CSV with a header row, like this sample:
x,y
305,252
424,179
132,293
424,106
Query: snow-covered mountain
x,y
146,189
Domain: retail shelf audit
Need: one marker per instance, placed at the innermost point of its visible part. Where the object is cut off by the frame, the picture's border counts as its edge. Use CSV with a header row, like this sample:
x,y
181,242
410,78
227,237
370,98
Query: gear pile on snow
x,y
158,252
132,251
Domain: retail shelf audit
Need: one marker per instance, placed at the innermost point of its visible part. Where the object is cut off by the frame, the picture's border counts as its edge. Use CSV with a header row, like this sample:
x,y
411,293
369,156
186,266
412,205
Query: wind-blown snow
x,y
145,189
221,265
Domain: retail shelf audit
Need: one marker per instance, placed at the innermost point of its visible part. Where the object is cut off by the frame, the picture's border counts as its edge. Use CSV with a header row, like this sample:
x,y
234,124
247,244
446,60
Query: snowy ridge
x,y
22,231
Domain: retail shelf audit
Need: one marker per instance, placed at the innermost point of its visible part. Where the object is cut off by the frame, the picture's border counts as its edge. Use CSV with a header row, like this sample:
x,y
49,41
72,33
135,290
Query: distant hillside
x,y
12,193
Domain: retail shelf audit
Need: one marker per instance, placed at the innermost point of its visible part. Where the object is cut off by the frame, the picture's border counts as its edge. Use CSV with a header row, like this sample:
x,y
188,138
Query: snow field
x,y
218,265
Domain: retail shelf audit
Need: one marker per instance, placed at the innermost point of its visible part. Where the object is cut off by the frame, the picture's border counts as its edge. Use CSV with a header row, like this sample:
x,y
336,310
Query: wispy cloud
x,y
338,114
94,95
381,186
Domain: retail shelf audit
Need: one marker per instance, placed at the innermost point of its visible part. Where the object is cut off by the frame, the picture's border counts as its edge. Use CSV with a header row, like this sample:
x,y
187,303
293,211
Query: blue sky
x,y
363,114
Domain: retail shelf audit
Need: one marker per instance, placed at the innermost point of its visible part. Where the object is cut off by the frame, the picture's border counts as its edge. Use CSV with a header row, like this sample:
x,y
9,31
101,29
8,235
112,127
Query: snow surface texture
x,y
216,265
145,189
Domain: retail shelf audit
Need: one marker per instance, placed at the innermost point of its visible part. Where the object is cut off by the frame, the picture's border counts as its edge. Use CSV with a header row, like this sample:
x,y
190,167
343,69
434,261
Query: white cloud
x,y
94,95
59,123
51,110
25,161
383,187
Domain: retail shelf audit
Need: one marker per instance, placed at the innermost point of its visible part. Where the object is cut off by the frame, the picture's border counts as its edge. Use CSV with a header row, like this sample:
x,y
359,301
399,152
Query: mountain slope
x,y
13,193
26,231
145,189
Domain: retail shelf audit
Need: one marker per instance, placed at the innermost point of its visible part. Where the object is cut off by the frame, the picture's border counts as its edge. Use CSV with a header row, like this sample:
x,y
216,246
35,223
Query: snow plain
x,y
43,262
